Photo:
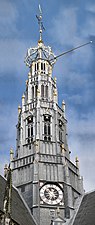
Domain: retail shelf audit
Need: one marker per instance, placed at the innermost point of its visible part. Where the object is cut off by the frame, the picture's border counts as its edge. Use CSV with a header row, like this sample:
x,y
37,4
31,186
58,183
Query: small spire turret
x,y
5,170
19,109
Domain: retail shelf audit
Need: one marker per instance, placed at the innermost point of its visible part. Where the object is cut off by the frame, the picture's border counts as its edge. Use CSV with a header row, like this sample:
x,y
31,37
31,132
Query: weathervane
x,y
39,18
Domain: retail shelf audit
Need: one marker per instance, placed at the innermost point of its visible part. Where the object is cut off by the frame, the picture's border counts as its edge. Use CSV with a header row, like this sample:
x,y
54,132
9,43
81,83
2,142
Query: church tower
x,y
42,171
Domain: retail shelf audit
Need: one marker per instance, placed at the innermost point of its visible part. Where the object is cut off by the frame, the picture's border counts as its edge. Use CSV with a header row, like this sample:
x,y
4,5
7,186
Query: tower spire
x,y
39,18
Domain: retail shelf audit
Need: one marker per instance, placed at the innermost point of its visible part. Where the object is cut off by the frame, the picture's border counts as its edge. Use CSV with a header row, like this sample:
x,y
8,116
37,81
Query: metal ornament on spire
x,y
45,52
40,51
39,18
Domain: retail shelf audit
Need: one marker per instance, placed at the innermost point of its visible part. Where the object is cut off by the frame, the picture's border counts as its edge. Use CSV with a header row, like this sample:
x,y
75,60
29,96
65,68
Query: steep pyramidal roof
x,y
86,212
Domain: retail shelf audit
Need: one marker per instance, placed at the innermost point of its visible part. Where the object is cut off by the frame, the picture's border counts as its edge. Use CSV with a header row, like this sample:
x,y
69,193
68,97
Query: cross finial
x,y
39,18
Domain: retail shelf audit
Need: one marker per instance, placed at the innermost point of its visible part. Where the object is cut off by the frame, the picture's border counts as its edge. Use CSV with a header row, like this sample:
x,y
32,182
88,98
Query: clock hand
x,y
51,193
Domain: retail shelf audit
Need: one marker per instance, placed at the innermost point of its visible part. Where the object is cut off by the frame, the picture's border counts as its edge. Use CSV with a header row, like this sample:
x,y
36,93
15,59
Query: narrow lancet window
x,y
37,66
41,66
30,129
36,88
44,66
46,91
32,93
42,91
47,127
60,136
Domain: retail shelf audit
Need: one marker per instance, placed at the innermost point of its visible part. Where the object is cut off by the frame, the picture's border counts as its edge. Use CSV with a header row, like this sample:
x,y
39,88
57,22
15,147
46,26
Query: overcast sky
x,y
67,23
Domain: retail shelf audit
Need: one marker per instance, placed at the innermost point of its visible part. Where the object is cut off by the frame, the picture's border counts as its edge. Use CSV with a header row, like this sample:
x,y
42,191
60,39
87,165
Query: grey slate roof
x,y
20,212
86,212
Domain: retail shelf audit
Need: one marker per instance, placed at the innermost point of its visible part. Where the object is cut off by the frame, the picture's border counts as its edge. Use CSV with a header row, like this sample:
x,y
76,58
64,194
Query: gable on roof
x,y
20,212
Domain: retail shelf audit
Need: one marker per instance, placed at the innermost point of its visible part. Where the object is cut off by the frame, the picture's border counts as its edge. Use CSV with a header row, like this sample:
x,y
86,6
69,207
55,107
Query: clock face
x,y
51,194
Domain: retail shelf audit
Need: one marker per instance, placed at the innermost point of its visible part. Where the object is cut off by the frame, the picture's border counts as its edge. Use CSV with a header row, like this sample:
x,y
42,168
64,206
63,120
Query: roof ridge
x,y
89,192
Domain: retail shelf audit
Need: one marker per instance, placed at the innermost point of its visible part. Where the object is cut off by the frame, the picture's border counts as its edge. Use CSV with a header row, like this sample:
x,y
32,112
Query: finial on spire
x,y
39,18
77,162
11,154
